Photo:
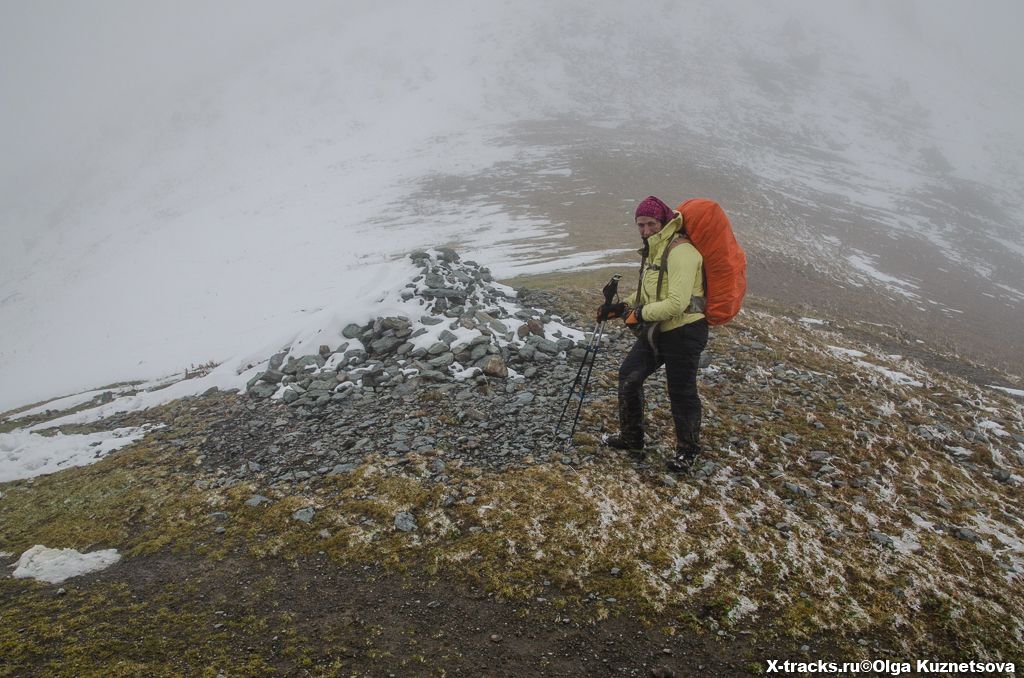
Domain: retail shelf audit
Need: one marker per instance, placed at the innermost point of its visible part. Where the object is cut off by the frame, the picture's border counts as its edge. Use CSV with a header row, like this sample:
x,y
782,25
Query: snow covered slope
x,y
189,183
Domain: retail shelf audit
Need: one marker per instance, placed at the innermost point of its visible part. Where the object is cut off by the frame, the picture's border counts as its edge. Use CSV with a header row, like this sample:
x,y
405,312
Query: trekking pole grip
x,y
611,289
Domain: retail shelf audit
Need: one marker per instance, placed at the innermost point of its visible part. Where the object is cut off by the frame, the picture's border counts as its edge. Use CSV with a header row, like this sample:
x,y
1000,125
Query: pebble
x,y
967,534
880,538
405,522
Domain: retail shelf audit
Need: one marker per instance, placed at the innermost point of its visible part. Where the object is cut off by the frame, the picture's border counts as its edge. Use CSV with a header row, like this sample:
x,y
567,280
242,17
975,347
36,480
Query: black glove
x,y
610,311
635,316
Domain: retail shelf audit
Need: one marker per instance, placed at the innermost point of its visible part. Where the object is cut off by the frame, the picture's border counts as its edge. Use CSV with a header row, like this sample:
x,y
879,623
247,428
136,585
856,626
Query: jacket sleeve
x,y
684,263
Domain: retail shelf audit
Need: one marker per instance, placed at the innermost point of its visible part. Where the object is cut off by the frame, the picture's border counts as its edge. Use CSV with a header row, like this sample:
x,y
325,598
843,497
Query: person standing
x,y
667,315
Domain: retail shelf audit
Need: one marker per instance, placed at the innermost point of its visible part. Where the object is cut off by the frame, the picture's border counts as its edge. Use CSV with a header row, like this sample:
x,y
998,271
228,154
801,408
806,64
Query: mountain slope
x,y
850,503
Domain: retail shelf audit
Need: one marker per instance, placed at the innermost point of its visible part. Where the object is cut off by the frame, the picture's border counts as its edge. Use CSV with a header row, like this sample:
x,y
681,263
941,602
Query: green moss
x,y
799,619
105,630
133,500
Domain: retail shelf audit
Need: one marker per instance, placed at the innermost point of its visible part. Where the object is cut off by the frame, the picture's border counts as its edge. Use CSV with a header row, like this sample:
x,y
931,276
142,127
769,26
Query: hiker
x,y
667,315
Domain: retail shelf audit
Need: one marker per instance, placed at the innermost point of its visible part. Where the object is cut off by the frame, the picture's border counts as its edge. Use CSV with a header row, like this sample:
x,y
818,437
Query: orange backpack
x,y
725,264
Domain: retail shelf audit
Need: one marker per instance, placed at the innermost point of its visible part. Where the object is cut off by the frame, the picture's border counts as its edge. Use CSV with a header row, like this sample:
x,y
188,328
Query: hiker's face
x,y
648,226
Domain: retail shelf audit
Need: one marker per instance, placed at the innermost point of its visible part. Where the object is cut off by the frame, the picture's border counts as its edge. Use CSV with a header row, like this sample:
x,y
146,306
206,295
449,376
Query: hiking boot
x,y
633,447
683,460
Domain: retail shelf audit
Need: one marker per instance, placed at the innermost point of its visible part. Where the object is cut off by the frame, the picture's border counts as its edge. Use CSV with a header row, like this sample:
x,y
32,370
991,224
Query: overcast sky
x,y
77,76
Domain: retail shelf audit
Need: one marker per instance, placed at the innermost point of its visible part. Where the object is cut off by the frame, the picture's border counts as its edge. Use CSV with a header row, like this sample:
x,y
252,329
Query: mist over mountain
x,y
185,183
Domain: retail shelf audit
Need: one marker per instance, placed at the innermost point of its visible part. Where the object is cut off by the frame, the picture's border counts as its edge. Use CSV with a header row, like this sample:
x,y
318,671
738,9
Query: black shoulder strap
x,y
680,237
640,281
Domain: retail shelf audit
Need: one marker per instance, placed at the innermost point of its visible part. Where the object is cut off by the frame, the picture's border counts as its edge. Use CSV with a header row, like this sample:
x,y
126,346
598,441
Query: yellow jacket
x,y
683,280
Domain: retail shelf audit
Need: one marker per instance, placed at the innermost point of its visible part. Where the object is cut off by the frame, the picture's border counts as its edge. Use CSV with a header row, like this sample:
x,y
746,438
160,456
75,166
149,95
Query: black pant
x,y
679,350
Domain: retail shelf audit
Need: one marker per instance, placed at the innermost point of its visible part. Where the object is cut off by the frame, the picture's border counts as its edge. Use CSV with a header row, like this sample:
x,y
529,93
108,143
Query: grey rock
x,y
546,346
478,352
446,293
880,538
491,322
443,360
405,522
341,469
793,488
256,500
304,515
385,344
272,377
277,360
447,254
395,323
310,362
437,348
406,388
1001,474
967,534
263,390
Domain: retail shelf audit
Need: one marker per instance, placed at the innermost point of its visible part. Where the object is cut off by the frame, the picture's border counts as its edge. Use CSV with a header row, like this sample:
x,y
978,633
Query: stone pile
x,y
460,325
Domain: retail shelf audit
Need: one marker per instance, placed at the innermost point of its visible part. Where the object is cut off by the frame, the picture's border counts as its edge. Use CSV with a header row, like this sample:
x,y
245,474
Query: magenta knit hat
x,y
656,209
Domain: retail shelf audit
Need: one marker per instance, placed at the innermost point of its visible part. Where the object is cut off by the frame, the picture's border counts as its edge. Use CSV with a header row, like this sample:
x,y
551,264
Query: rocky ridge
x,y
461,325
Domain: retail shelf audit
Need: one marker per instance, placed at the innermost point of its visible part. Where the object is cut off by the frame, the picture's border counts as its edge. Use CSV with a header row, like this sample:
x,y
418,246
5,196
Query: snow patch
x,y
1012,391
853,353
864,264
25,454
56,565
891,375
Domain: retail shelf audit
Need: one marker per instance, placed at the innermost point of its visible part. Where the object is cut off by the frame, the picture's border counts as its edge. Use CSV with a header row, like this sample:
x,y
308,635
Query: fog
x,y
163,166
81,81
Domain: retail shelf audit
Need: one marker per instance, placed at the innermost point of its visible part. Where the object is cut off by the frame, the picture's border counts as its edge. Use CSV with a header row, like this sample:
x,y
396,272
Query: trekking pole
x,y
609,290
589,350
